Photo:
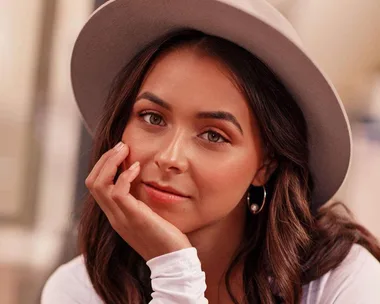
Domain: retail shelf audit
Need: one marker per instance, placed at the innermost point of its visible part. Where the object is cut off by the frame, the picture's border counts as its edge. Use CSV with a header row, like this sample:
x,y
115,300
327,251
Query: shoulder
x,y
70,283
355,280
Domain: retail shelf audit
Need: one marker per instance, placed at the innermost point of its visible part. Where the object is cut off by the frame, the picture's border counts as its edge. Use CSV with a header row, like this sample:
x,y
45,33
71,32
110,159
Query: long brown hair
x,y
294,245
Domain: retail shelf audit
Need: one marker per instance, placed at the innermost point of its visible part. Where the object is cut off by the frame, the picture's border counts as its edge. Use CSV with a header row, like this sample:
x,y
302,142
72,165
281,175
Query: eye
x,y
214,137
152,118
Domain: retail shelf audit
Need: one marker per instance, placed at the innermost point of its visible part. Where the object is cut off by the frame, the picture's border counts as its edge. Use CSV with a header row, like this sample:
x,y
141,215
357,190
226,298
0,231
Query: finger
x,y
104,183
99,165
119,195
115,215
96,186
107,174
108,196
125,179
90,180
121,191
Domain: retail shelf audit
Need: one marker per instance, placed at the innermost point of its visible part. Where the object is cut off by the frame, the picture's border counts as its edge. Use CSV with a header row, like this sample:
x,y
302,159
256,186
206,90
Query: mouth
x,y
158,194
165,189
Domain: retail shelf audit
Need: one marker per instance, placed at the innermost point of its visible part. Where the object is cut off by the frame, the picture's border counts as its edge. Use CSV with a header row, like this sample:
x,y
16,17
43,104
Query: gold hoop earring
x,y
255,208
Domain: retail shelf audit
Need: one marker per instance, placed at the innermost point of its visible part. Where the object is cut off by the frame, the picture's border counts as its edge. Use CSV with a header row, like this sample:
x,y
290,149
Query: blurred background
x,y
44,146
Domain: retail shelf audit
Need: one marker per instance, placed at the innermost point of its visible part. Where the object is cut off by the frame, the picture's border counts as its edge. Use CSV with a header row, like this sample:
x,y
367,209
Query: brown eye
x,y
214,137
152,118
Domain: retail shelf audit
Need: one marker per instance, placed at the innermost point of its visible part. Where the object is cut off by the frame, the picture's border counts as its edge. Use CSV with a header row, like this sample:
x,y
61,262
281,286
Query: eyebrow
x,y
221,115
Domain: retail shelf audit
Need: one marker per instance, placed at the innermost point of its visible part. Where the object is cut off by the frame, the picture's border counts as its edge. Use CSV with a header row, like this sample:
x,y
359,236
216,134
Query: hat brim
x,y
120,28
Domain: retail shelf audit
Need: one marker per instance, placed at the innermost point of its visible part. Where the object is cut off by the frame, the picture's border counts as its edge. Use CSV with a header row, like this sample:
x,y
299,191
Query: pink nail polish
x,y
119,146
134,166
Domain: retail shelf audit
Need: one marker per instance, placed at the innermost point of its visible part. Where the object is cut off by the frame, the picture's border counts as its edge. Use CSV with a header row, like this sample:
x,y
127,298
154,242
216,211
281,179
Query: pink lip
x,y
162,196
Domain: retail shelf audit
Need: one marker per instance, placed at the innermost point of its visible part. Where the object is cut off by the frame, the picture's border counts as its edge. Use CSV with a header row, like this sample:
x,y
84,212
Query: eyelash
x,y
144,113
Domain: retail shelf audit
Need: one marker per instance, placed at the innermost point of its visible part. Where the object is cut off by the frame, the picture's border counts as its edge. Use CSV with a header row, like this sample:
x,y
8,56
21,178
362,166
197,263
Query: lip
x,y
166,189
163,194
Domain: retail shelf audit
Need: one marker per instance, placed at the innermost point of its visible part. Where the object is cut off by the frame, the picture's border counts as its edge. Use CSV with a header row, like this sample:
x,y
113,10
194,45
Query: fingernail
x,y
119,146
134,166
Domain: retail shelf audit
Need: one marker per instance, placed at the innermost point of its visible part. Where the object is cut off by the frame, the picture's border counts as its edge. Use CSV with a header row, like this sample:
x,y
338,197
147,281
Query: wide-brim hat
x,y
119,29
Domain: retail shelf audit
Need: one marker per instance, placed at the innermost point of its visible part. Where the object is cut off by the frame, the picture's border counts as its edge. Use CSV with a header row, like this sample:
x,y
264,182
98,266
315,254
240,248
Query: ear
x,y
264,172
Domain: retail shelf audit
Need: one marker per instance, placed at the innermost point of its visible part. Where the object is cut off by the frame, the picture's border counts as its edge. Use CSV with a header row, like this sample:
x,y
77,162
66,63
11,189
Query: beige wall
x,y
56,133
20,27
344,37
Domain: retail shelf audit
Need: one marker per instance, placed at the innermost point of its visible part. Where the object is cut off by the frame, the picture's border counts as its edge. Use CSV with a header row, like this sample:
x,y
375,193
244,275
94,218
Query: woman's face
x,y
193,133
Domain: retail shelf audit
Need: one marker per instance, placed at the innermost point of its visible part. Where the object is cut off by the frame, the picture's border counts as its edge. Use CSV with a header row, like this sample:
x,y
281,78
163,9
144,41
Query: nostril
x,y
167,164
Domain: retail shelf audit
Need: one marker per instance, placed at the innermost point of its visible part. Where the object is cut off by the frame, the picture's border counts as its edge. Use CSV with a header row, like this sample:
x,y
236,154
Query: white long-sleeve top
x,y
177,278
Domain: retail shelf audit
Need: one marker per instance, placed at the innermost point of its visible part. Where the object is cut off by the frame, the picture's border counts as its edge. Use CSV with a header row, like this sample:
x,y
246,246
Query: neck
x,y
216,245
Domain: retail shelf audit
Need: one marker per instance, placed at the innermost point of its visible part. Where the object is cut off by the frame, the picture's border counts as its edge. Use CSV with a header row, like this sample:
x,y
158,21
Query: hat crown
x,y
267,12
260,9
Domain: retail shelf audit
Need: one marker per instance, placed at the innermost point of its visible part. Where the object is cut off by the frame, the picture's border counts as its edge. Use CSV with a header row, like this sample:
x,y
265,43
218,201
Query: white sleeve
x,y
177,277
355,281
70,284
362,285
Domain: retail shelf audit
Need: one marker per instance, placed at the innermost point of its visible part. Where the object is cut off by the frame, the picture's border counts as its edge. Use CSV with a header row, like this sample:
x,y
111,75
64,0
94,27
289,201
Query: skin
x,y
200,157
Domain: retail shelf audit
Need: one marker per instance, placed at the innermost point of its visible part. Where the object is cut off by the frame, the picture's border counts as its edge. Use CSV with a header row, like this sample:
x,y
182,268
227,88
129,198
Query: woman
x,y
210,165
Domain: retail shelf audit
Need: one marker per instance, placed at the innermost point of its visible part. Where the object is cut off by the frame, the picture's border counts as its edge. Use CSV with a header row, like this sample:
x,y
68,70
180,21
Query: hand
x,y
144,230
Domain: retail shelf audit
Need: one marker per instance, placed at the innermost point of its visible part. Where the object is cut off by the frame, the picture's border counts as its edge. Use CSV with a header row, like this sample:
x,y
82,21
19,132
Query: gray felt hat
x,y
120,28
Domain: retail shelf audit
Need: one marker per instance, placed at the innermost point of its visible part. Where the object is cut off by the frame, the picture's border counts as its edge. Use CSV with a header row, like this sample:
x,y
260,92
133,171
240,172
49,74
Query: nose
x,y
171,156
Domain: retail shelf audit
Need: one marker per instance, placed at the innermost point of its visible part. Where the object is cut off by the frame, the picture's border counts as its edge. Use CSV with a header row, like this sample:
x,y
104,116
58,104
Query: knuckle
x,y
116,196
106,155
111,161
125,179
89,182
123,176
97,186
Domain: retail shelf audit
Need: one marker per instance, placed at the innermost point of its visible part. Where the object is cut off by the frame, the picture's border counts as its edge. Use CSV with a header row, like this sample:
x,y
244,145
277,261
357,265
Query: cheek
x,y
139,146
223,182
236,167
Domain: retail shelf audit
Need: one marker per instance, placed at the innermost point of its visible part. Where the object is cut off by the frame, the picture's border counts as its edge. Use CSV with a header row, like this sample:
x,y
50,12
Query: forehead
x,y
192,82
